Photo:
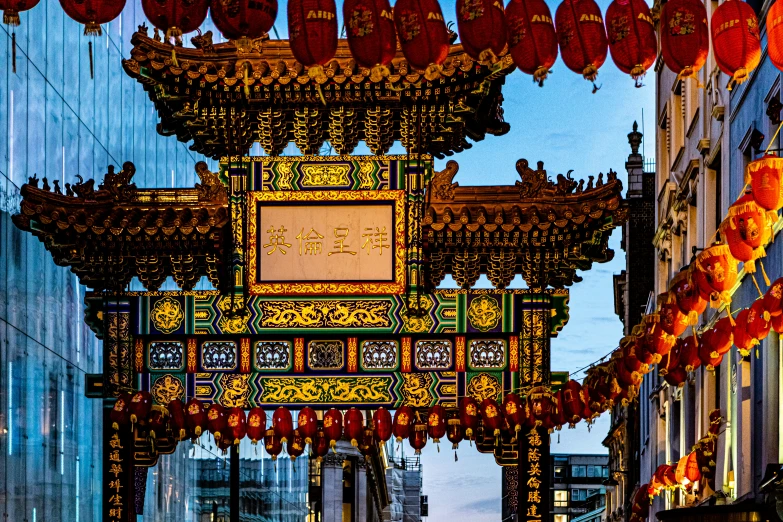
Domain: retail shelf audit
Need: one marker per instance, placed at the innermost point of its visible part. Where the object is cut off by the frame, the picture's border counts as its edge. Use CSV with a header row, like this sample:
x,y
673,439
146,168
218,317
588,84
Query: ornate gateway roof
x,y
224,100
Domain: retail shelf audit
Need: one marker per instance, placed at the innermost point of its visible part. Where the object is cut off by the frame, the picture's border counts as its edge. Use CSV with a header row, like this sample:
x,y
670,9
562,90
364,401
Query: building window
x,y
561,518
560,472
561,498
578,495
578,471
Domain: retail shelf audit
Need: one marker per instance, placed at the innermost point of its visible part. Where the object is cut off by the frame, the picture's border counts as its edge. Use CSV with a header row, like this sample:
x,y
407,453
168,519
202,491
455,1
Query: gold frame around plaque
x,y
397,197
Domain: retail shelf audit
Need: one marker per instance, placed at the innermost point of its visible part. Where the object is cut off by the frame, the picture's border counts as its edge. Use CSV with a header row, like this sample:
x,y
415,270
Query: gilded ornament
x,y
484,313
166,388
325,314
484,386
167,315
325,390
236,390
416,389
236,323
324,175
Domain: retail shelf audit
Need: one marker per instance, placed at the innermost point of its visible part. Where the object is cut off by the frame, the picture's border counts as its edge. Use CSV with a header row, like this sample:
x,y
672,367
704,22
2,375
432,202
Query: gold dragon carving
x,y
167,315
416,389
484,386
325,314
236,390
347,390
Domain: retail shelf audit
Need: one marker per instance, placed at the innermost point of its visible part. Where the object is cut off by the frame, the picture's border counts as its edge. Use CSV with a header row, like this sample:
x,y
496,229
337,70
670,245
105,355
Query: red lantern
x,y
272,444
656,339
773,299
758,321
716,419
175,17
671,360
333,426
572,402
709,357
93,13
632,41
673,321
641,501
588,414
256,424
217,421
454,433
514,411
196,417
354,426
436,423
424,38
312,33
320,446
777,324
223,444
307,424
12,8
689,353
244,19
469,415
582,36
369,25
558,417
403,423
742,339
382,424
630,359
692,472
368,446
120,413
686,294
716,271
746,230
156,422
482,28
237,424
491,416
140,406
177,416
720,337
735,39
295,446
684,36
763,175
419,437
532,40
283,424
625,377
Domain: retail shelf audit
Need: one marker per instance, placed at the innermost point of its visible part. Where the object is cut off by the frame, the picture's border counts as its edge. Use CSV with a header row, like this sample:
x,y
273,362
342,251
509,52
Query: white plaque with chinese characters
x,y
304,243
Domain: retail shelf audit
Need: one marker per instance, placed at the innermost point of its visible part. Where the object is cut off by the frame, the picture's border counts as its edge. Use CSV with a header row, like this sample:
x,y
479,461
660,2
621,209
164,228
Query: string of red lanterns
x,y
485,27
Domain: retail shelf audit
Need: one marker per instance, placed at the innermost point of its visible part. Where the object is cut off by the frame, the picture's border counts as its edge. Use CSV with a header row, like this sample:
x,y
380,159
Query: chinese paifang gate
x,y
325,268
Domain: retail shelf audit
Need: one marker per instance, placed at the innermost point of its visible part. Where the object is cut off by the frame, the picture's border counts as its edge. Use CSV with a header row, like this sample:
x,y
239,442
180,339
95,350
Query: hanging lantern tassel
x,y
764,274
174,36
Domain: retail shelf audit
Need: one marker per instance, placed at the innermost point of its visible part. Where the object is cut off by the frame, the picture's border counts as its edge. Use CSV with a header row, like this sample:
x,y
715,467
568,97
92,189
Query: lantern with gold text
x,y
689,353
572,402
629,347
758,321
773,298
93,13
491,416
746,229
312,34
656,339
436,423
482,28
588,413
283,424
742,339
418,438
532,40
541,404
369,26
673,321
296,446
272,444
307,424
140,406
626,378
684,36
558,417
775,34
716,272
237,424
686,294
177,419
368,445
320,446
764,174
382,424
403,423
256,424
243,20
217,421
120,412
353,426
469,415
644,354
195,417
423,35
735,39
454,433
175,17
631,33
12,8
514,411
582,36
333,426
